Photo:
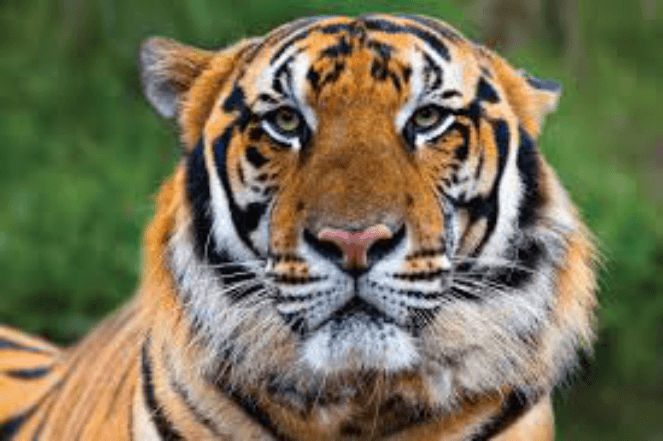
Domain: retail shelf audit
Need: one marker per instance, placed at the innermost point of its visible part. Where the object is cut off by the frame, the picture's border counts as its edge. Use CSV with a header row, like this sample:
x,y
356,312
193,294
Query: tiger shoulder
x,y
362,240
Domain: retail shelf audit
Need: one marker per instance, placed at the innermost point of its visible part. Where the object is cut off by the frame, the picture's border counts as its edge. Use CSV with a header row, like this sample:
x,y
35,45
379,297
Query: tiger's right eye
x,y
426,117
286,126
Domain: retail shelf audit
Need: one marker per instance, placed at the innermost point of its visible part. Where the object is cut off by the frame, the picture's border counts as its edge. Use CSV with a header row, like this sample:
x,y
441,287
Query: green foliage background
x,y
82,154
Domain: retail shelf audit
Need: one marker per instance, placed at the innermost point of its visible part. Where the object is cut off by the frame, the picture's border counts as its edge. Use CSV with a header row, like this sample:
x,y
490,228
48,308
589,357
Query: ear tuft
x,y
168,69
546,91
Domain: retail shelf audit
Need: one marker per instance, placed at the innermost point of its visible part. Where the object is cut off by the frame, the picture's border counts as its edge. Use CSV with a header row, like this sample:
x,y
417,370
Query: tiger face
x,y
364,195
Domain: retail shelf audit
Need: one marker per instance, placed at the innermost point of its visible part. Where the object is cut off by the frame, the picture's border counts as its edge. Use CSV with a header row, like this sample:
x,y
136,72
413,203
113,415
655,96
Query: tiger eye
x,y
426,117
287,120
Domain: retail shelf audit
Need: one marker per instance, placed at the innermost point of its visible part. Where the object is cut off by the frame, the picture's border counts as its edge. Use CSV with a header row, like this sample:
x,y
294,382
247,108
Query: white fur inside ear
x,y
162,96
158,88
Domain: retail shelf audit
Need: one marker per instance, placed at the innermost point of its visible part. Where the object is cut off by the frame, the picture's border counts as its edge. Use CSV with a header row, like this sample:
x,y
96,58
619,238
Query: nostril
x,y
327,249
354,245
384,246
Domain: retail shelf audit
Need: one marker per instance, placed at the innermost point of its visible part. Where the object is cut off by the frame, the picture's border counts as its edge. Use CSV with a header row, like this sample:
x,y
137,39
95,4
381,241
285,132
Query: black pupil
x,y
288,119
426,117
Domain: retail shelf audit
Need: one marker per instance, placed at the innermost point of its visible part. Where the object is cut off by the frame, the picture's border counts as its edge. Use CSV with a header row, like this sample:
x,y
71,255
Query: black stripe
x,y
199,197
393,28
236,102
29,374
463,150
487,207
235,295
526,257
7,344
291,35
383,50
352,29
434,25
11,427
528,162
245,221
182,391
254,157
432,66
486,92
205,244
490,205
513,408
251,407
164,426
338,49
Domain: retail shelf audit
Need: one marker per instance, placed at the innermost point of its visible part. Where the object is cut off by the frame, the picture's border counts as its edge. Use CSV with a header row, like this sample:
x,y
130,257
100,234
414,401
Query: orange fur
x,y
358,175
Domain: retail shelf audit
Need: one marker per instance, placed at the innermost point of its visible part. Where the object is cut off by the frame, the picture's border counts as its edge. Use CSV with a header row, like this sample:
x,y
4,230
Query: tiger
x,y
361,241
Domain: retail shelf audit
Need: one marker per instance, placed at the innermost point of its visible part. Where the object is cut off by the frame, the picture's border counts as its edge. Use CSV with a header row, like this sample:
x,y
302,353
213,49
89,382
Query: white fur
x,y
360,343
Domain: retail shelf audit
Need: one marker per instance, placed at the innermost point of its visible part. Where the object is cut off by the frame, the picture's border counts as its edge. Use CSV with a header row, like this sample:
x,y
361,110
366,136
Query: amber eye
x,y
287,120
426,124
426,117
286,126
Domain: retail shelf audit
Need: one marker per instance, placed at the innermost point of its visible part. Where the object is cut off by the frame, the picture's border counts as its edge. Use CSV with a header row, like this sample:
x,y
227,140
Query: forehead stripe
x,y
435,26
288,32
393,28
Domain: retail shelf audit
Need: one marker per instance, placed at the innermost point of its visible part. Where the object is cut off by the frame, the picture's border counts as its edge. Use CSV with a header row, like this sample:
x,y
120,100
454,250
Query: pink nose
x,y
355,245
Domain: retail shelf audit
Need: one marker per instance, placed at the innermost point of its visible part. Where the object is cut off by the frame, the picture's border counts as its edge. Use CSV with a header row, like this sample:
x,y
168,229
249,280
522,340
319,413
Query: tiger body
x,y
361,241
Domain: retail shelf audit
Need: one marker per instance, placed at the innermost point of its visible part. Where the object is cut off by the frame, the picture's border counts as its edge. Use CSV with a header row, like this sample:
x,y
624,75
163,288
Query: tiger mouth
x,y
356,307
410,309
359,336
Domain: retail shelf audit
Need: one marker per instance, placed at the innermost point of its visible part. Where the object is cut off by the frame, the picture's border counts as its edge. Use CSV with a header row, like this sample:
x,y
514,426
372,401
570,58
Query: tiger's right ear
x,y
184,82
168,69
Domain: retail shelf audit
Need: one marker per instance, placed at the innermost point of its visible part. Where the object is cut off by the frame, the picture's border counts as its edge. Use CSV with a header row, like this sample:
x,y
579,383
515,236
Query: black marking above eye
x,y
378,70
486,92
389,27
451,93
314,78
407,72
342,48
382,49
235,100
255,157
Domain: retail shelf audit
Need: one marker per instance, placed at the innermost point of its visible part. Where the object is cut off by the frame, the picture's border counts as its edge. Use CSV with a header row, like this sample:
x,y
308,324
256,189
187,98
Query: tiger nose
x,y
354,245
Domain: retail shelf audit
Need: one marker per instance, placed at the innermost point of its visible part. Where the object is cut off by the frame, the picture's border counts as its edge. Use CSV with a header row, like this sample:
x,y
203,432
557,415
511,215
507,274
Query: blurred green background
x,y
82,154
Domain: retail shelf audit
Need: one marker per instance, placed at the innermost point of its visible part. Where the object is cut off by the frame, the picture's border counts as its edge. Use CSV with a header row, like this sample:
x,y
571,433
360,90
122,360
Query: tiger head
x,y
363,197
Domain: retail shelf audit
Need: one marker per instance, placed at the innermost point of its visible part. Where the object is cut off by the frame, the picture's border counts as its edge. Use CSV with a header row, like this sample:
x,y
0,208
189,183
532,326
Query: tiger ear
x,y
545,92
531,98
168,70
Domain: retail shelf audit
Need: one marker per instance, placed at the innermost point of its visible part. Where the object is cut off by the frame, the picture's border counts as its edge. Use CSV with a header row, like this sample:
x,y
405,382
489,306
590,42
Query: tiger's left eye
x,y
426,117
287,120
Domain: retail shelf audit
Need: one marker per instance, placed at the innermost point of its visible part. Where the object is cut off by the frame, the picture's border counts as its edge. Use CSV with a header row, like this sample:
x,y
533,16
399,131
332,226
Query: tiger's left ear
x,y
546,93
531,98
